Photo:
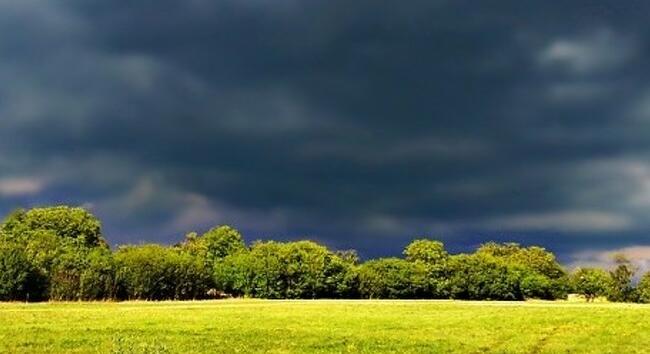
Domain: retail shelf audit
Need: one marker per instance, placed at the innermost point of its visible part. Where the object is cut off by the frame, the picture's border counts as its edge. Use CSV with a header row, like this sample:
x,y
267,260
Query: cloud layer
x,y
360,125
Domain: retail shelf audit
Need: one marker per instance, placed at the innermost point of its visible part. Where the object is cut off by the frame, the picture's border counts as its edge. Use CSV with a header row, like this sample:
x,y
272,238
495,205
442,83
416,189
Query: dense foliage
x,y
59,253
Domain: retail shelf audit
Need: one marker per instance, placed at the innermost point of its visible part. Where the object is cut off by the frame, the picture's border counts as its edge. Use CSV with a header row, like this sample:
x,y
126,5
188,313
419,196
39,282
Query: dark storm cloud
x,y
359,124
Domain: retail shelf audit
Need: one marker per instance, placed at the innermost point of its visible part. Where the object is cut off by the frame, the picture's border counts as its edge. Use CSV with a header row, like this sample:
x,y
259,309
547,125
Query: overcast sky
x,y
360,124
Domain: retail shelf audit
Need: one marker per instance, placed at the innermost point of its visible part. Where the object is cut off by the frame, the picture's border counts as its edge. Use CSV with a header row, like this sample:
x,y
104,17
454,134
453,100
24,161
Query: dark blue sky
x,y
361,124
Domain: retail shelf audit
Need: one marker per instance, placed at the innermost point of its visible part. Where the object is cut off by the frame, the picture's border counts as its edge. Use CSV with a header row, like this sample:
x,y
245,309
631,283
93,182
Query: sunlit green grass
x,y
324,326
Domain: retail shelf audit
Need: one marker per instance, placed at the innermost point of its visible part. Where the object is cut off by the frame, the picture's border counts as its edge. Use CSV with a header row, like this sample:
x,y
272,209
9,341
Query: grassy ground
x,y
244,326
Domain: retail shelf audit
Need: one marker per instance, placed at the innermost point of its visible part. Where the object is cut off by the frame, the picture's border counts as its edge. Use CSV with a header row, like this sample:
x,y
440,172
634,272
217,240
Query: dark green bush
x,y
19,279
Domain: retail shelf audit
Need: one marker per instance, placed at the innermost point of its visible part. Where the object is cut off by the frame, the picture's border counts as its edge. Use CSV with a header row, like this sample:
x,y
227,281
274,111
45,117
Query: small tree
x,y
265,265
621,279
643,288
214,245
426,251
434,258
591,282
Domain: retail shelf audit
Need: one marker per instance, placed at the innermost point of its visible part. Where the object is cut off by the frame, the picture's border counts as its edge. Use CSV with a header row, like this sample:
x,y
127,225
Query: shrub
x,y
392,278
292,270
484,277
154,272
19,279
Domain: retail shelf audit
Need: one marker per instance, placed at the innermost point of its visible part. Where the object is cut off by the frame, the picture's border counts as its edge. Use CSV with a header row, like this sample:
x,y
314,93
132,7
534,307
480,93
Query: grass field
x,y
244,326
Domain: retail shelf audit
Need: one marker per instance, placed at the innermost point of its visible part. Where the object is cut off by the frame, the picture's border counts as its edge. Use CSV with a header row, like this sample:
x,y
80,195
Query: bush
x,y
71,271
341,276
19,279
537,286
97,280
154,272
291,270
392,278
484,277
234,275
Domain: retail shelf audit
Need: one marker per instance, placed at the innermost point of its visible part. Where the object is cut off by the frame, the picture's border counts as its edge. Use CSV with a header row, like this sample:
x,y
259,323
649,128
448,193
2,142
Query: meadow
x,y
324,326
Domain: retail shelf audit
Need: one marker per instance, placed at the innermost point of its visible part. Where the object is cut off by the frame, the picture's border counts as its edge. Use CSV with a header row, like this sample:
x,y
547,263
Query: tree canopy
x,y
63,221
59,253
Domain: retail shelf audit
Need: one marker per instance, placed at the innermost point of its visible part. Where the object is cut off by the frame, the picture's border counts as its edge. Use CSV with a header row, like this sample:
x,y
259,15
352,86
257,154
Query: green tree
x,y
215,244
484,277
621,288
537,286
433,257
392,278
426,251
154,272
97,280
293,270
65,275
65,222
591,282
643,288
81,273
303,273
43,248
235,274
266,267
542,276
19,279
341,276
534,258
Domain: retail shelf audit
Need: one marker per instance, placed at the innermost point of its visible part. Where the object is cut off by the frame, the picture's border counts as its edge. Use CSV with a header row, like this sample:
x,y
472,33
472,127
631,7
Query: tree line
x,y
59,253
